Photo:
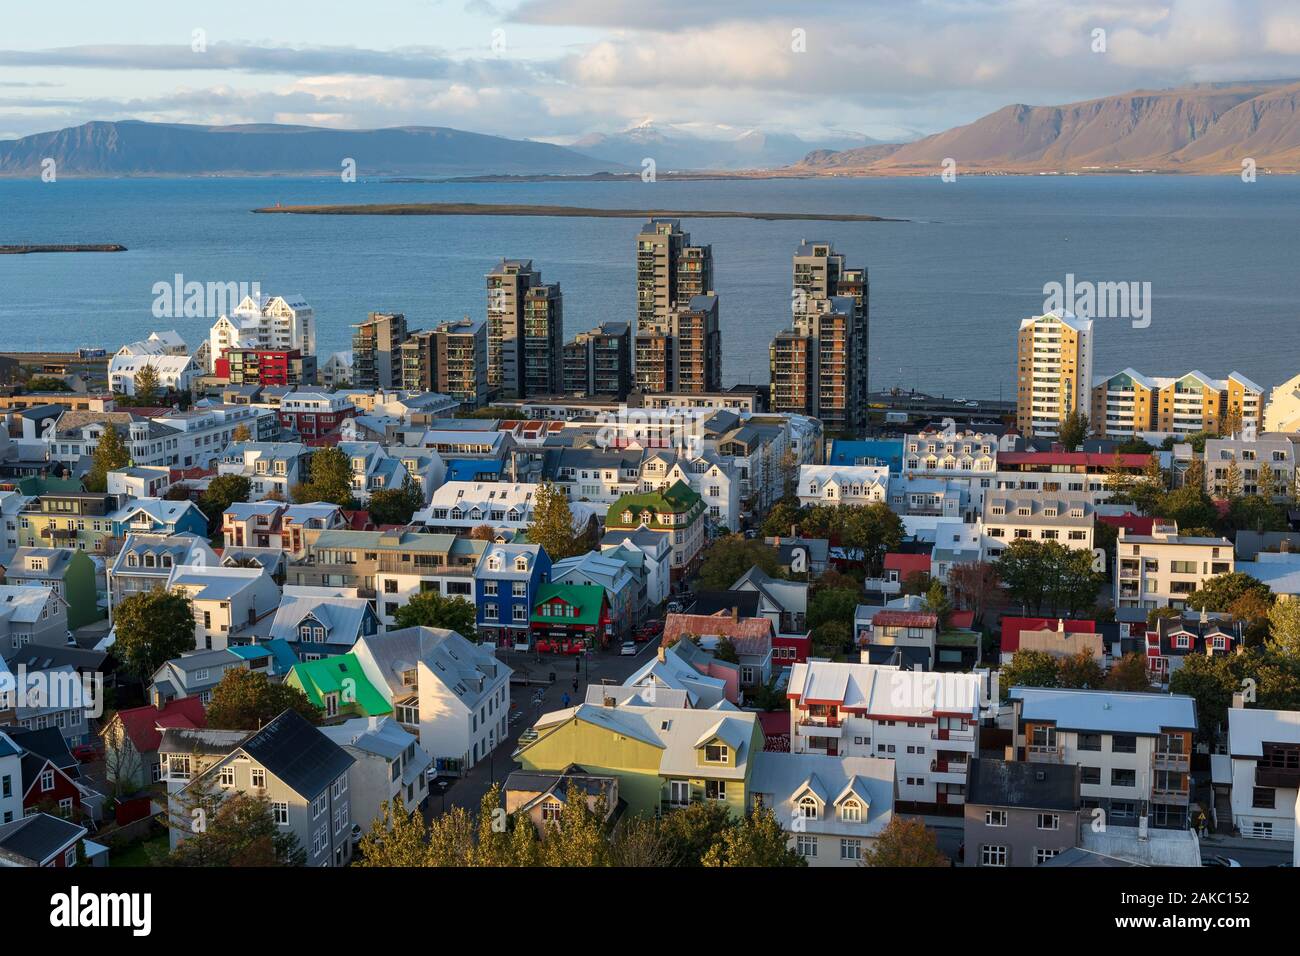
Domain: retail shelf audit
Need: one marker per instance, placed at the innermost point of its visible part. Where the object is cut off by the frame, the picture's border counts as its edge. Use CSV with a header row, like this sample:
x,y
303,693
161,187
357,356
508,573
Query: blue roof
x,y
249,652
282,654
867,452
468,469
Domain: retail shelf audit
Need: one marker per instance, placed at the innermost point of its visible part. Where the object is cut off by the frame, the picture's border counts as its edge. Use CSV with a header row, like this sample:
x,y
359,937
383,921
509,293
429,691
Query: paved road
x,y
597,667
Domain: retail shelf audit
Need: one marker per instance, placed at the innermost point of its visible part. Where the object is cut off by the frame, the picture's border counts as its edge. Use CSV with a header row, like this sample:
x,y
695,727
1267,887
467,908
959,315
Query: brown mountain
x,y
1207,128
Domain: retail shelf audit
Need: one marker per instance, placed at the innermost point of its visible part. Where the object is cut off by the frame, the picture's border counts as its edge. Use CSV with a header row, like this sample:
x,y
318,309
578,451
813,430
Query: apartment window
x,y
1049,821
1123,778
1123,744
993,855
1090,742
808,808
1263,798
319,806
851,812
806,846
178,766
850,849
1091,775
995,818
1042,855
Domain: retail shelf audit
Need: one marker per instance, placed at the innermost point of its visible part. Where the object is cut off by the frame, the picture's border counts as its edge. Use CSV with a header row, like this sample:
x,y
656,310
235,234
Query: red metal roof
x,y
1091,459
964,619
904,619
142,723
1133,524
1012,626
907,563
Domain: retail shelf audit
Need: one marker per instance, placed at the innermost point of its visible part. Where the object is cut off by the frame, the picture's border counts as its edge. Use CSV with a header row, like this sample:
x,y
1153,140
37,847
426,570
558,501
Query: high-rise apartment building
x,y
1053,372
507,288
376,350
1129,403
450,359
821,273
543,340
669,271
684,352
812,365
599,363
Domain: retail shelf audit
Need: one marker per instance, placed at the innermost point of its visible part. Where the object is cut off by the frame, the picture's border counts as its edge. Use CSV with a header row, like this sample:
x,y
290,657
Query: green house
x,y
676,511
664,757
339,687
570,611
68,572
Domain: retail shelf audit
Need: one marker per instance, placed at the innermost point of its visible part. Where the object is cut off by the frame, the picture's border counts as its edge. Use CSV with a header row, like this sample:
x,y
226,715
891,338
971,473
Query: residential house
x,y
339,687
677,512
784,603
453,694
196,674
41,697
1134,750
132,737
11,779
682,675
388,765
506,580
1021,814
146,561
568,613
1250,455
227,601
68,573
1075,472
840,485
51,776
68,519
322,625
1174,639
272,468
158,516
308,415
1161,569
750,638
1264,746
542,796
622,589
31,614
655,560
1066,518
41,840
600,476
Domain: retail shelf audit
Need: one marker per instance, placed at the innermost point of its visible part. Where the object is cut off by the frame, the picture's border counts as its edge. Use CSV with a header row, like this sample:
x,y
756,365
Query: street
x,y
596,667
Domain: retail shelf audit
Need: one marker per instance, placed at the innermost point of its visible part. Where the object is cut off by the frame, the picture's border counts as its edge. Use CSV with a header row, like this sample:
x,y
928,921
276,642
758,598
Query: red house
x,y
1012,626
566,617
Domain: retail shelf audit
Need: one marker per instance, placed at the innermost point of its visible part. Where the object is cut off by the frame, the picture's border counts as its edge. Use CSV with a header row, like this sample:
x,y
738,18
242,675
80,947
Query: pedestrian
x,y
564,700
577,663
575,685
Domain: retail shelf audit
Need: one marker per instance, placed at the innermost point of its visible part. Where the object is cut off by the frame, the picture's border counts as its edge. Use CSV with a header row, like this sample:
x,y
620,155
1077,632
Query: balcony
x,y
1041,753
1287,778
1179,763
820,727
958,736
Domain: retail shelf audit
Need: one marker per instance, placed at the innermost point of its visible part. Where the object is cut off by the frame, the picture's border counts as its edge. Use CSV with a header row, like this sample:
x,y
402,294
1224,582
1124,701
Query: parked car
x,y
628,649
86,753
1218,861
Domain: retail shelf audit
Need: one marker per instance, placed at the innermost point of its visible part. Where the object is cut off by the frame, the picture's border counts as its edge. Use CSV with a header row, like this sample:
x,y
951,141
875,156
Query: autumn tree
x,y
483,532
552,525
247,700
1028,669
241,434
433,609
973,585
578,837
1221,591
241,832
1073,430
330,479
755,840
397,837
906,842
151,628
1081,670
1129,673
729,557
1284,629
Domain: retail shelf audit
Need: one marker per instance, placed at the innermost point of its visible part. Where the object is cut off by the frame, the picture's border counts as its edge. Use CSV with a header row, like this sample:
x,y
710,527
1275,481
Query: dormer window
x,y
808,808
851,811
715,753
521,563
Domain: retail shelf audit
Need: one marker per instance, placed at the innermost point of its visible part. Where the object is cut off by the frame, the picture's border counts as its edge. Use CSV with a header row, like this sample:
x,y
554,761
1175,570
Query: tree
x,y
916,582
110,455
240,434
247,700
638,843
524,848
483,532
973,585
689,833
397,837
432,609
1272,679
1232,481
1021,568
1268,484
47,383
1221,591
789,470
552,525
330,480
757,840
1072,583
1284,629
1029,669
395,505
147,383
783,516
222,492
874,528
906,842
936,602
151,628
1080,671
725,651
832,604
1129,673
451,838
832,639
1256,513
1146,492
1252,611
237,831
578,837
1118,480
493,847
728,558
1074,430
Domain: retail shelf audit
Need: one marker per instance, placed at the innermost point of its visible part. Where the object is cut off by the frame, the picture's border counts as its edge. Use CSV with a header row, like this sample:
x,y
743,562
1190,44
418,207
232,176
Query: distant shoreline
x,y
515,209
75,247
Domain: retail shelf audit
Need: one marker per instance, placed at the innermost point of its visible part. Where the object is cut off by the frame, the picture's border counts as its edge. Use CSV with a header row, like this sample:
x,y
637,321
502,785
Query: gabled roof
x,y
144,726
588,599
298,754
37,839
337,675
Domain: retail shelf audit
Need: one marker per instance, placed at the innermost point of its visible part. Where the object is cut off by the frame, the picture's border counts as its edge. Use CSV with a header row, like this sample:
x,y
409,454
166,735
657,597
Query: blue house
x,y
506,580
158,516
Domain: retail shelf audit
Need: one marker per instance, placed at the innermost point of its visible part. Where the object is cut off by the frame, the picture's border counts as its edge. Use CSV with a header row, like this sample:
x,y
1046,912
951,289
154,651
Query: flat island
x,y
76,247
513,209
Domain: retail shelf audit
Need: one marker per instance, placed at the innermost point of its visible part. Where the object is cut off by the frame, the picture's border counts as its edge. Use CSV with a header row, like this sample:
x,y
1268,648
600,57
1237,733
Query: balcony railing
x,y
945,734
1041,753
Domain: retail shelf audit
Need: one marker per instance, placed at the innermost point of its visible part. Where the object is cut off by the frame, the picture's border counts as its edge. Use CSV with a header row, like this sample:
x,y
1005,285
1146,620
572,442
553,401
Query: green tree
x,y
639,843
1074,430
524,848
578,837
110,455
1284,629
1268,483
397,837
1029,669
1232,481
493,848
330,480
237,831
1072,583
832,639
222,492
1118,480
1023,571
936,602
874,528
1129,673
832,604
147,384
783,516
151,628
757,840
432,609
247,700
395,505
552,525
47,383
451,838
1221,591
730,557
689,833
906,842
1188,506
1256,513
1146,492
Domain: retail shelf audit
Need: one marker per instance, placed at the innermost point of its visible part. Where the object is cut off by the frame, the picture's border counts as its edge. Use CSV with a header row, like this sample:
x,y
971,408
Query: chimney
x,y
794,531
1238,701
663,653
735,613
1284,546
608,701
1060,625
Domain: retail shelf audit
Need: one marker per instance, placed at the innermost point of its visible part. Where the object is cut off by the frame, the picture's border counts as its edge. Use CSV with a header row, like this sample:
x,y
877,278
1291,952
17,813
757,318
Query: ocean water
x,y
948,286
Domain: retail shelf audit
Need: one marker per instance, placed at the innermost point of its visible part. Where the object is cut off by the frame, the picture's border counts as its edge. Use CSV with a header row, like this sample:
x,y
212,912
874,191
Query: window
x,y
715,753
806,846
1091,775
850,849
227,776
1049,821
178,766
1123,744
851,812
1263,798
995,818
993,855
715,789
319,805
551,809
258,778
808,808
1090,741
1261,829
1042,855
1123,778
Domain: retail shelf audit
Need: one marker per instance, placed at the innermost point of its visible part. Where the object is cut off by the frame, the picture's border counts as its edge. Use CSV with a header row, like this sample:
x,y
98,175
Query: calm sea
x,y
948,287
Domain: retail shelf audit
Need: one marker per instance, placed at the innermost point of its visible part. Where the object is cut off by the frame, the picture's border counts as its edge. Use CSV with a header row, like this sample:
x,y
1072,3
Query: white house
x,y
389,763
453,694
843,484
1066,518
1264,746
176,373
227,600
1161,569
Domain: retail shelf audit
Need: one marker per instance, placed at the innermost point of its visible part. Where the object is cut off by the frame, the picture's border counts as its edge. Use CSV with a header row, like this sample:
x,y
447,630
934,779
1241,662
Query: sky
x,y
556,70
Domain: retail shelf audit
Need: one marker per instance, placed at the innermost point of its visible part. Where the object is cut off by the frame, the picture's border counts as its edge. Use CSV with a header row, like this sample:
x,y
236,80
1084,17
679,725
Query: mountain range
x,y
1204,128
674,150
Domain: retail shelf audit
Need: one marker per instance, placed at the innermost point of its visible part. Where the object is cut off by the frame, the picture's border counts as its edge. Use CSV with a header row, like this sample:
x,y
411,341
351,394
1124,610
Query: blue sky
x,y
558,69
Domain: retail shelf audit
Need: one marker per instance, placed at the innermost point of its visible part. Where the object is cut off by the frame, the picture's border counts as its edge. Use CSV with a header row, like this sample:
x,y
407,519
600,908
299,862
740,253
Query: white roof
x,y
1249,728
880,690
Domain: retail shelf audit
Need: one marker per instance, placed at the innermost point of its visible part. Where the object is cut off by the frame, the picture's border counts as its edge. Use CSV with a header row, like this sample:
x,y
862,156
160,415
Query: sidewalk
x,y
1245,843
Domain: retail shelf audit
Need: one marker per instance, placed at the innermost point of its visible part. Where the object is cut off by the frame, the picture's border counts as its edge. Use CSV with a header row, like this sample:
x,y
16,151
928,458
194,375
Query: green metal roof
x,y
587,598
678,498
340,675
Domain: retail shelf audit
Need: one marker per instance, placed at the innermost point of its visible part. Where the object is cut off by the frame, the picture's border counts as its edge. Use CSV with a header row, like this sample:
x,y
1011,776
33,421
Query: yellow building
x,y
1053,372
1129,403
